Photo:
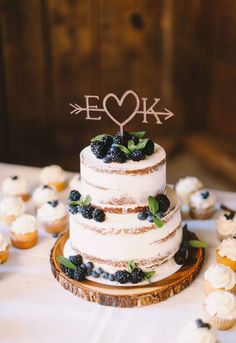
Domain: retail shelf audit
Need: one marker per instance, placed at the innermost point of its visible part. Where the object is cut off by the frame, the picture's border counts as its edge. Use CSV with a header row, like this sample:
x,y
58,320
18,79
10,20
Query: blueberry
x,y
73,209
14,177
106,275
150,218
107,158
53,203
47,187
83,265
95,274
142,215
205,195
89,271
111,277
89,265
99,270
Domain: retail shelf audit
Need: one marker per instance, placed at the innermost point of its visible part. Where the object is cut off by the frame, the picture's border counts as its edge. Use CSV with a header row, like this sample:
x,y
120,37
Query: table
x,y
35,308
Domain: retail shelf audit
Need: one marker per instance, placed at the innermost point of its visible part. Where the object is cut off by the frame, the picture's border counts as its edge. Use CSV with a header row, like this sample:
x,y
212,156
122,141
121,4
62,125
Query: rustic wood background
x,y
52,52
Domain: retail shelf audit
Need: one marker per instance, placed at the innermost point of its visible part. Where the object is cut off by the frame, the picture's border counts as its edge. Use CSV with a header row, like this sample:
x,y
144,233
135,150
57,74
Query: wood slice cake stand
x,y
128,296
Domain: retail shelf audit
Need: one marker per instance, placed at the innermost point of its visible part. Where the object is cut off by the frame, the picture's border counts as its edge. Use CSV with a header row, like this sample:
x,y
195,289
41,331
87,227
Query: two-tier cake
x,y
125,218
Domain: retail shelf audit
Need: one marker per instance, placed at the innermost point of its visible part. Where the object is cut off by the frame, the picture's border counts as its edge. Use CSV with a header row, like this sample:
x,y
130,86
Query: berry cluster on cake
x,y
125,221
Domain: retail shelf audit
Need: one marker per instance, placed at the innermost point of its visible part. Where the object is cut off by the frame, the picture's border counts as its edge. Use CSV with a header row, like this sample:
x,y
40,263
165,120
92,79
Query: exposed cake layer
x,y
123,237
127,184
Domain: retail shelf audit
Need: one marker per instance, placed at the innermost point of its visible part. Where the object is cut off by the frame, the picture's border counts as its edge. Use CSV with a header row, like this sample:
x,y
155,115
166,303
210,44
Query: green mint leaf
x,y
138,134
131,145
148,275
66,262
74,203
99,137
87,200
141,145
131,266
123,148
194,243
153,204
157,220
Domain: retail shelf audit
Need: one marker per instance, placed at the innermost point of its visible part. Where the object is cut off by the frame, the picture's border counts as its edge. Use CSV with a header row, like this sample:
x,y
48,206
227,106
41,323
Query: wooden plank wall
x,y
52,52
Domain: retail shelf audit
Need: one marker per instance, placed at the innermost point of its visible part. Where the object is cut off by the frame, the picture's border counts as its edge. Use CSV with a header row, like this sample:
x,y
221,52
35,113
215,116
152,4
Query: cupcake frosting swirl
x,y
24,224
14,185
227,248
197,199
43,194
221,304
193,334
226,227
12,206
4,241
52,174
220,276
186,186
48,212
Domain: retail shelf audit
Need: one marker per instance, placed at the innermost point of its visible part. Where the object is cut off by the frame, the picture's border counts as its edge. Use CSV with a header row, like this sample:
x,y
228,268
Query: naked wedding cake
x,y
125,221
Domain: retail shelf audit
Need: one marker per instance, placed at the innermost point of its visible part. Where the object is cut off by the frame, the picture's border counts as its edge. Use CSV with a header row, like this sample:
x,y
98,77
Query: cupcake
x,y
197,332
15,186
4,247
219,277
186,186
43,194
53,176
220,307
10,208
226,253
202,204
226,225
23,232
53,216
75,182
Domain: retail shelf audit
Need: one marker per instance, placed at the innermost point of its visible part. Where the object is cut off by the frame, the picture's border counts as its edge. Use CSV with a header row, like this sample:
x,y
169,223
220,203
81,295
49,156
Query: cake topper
x,y
140,107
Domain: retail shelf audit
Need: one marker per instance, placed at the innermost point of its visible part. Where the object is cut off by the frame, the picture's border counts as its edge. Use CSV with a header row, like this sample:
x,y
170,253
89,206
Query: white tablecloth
x,y
35,308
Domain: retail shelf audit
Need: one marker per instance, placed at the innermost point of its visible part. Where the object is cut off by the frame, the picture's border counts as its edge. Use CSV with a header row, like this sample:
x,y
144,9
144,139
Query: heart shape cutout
x,y
120,103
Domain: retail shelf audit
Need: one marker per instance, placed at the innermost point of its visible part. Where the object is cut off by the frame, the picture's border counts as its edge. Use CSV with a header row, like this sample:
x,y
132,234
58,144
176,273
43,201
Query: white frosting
x,y
221,304
226,227
110,184
24,224
227,248
192,334
14,187
42,195
196,200
4,241
186,186
75,182
12,206
47,212
126,245
220,276
52,174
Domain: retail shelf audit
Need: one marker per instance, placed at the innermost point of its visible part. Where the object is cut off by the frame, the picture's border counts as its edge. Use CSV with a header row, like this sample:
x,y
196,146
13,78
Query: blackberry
x,y
200,324
74,195
53,203
161,214
67,271
122,139
87,211
76,260
98,215
117,155
137,155
205,195
122,276
230,215
107,158
181,256
111,277
80,274
99,149
135,139
149,148
73,209
163,202
107,141
137,275
142,215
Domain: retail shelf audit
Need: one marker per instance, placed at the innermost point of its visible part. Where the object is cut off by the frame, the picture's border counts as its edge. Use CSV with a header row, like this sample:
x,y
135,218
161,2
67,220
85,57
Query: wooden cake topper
x,y
140,107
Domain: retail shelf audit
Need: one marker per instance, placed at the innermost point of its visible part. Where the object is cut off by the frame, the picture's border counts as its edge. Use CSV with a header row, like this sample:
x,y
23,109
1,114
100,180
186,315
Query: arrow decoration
x,y
140,107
